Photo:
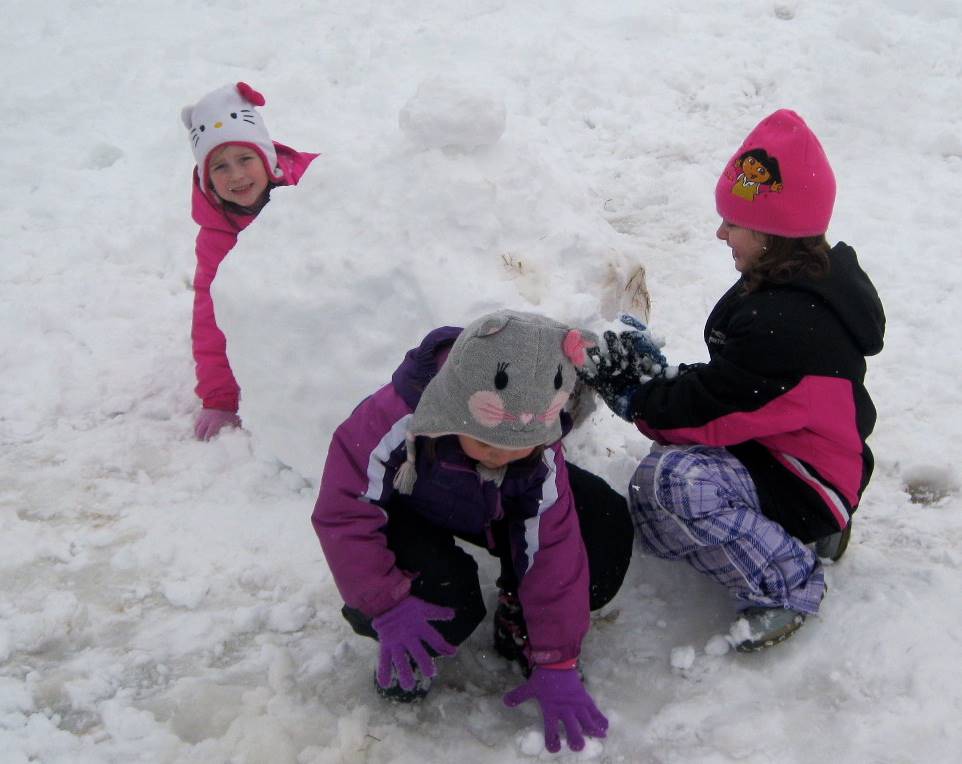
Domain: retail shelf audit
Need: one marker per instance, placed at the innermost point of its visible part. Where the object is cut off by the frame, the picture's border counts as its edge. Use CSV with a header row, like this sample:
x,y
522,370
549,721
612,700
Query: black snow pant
x,y
448,576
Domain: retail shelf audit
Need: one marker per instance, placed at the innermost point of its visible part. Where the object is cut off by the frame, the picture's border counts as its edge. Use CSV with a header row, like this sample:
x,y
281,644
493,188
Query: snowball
x,y
289,617
717,645
187,594
531,742
446,113
740,631
682,658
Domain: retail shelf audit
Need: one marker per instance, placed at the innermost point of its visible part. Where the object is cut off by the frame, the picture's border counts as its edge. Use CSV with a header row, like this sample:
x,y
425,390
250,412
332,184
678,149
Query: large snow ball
x,y
448,113
341,275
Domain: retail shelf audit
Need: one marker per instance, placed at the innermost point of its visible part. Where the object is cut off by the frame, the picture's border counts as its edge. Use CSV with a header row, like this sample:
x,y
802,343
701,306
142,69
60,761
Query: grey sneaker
x,y
761,627
833,546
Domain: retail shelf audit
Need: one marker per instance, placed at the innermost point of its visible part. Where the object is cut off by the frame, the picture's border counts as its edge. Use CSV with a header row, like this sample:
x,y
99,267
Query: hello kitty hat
x,y
779,181
227,115
504,382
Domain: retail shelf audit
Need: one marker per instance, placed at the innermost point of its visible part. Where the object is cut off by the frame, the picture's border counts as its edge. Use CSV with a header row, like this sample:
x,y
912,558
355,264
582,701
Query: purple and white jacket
x,y
536,500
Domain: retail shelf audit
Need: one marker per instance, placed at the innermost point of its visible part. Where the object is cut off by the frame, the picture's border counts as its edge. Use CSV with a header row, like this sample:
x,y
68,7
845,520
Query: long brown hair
x,y
783,260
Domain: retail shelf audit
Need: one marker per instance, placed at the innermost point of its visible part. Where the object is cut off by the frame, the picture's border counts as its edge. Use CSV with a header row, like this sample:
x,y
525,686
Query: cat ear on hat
x,y
492,324
187,115
250,95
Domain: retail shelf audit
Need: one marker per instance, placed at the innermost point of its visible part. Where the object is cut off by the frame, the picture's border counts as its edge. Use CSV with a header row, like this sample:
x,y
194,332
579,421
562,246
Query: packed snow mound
x,y
447,113
338,277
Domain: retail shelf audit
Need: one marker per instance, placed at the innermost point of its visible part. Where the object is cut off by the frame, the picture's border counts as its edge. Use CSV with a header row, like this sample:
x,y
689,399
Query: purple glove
x,y
562,697
401,630
209,422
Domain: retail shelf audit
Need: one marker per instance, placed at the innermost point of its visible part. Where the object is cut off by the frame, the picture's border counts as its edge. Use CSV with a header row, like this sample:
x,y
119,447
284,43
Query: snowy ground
x,y
163,600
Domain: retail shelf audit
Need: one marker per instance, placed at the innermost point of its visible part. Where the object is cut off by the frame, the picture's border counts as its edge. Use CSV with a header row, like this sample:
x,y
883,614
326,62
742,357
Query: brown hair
x,y
783,260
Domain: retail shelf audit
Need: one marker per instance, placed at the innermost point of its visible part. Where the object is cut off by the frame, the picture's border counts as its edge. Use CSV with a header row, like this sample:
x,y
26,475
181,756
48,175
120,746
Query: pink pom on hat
x,y
227,115
779,181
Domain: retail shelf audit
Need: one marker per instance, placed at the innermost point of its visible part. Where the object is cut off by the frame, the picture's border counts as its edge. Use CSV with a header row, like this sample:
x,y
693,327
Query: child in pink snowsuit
x,y
237,165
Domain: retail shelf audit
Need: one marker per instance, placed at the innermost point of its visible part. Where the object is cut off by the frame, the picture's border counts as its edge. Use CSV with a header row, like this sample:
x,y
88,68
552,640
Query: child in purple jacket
x,y
465,443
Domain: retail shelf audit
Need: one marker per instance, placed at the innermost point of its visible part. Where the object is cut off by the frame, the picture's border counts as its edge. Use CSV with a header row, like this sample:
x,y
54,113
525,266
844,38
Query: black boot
x,y
398,694
833,546
510,631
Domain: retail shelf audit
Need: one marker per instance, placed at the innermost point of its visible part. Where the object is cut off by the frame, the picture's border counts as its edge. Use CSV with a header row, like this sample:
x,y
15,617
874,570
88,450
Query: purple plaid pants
x,y
699,504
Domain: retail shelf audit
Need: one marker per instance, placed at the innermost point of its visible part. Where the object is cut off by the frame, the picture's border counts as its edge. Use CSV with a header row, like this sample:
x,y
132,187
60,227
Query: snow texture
x,y
165,600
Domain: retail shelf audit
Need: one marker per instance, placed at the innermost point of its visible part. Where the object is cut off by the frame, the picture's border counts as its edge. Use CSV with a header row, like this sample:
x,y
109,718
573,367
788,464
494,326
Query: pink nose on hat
x,y
525,417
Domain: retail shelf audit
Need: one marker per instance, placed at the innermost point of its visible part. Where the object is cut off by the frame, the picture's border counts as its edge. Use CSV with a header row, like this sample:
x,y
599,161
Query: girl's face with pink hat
x,y
746,245
237,174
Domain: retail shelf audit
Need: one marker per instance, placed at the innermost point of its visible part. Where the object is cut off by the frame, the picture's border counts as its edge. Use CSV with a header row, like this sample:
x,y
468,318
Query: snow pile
x,y
447,113
342,274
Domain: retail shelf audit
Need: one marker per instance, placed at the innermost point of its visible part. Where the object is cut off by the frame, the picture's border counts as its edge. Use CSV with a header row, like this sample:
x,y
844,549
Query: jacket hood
x,y
420,364
853,298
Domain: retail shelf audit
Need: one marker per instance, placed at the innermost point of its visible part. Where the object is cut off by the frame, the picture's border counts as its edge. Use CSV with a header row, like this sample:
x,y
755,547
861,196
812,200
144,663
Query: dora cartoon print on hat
x,y
758,172
228,115
779,180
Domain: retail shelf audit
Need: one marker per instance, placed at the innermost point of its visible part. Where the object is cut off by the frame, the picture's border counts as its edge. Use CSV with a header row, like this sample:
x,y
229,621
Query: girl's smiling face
x,y
746,245
490,456
237,174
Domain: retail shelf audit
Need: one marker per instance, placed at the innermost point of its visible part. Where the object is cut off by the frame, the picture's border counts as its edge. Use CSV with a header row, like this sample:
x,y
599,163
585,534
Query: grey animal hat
x,y
505,382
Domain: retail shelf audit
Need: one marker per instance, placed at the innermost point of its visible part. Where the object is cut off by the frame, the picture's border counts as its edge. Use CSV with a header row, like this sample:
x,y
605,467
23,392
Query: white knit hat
x,y
227,115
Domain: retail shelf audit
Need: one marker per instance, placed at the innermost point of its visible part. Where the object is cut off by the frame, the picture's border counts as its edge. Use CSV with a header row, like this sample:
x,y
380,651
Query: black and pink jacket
x,y
783,391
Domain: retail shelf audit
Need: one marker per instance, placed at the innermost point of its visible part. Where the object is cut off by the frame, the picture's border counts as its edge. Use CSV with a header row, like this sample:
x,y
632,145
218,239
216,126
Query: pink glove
x,y
210,421
401,630
562,697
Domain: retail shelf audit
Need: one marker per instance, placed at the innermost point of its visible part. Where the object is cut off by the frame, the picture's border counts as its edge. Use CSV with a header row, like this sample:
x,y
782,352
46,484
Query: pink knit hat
x,y
779,181
227,115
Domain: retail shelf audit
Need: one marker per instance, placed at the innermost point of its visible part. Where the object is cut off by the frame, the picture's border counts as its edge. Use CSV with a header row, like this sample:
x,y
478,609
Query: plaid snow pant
x,y
699,504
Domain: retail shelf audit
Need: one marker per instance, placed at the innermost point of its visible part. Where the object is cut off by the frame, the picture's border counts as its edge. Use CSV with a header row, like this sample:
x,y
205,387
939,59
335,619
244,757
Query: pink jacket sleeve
x,y
216,385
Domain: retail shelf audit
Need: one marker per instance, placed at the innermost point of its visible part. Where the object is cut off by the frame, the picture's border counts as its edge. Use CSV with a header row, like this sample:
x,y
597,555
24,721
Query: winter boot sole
x,y
762,638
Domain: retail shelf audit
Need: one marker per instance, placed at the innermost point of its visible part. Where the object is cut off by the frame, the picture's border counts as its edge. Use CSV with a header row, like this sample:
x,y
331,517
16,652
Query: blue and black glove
x,y
629,360
647,348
